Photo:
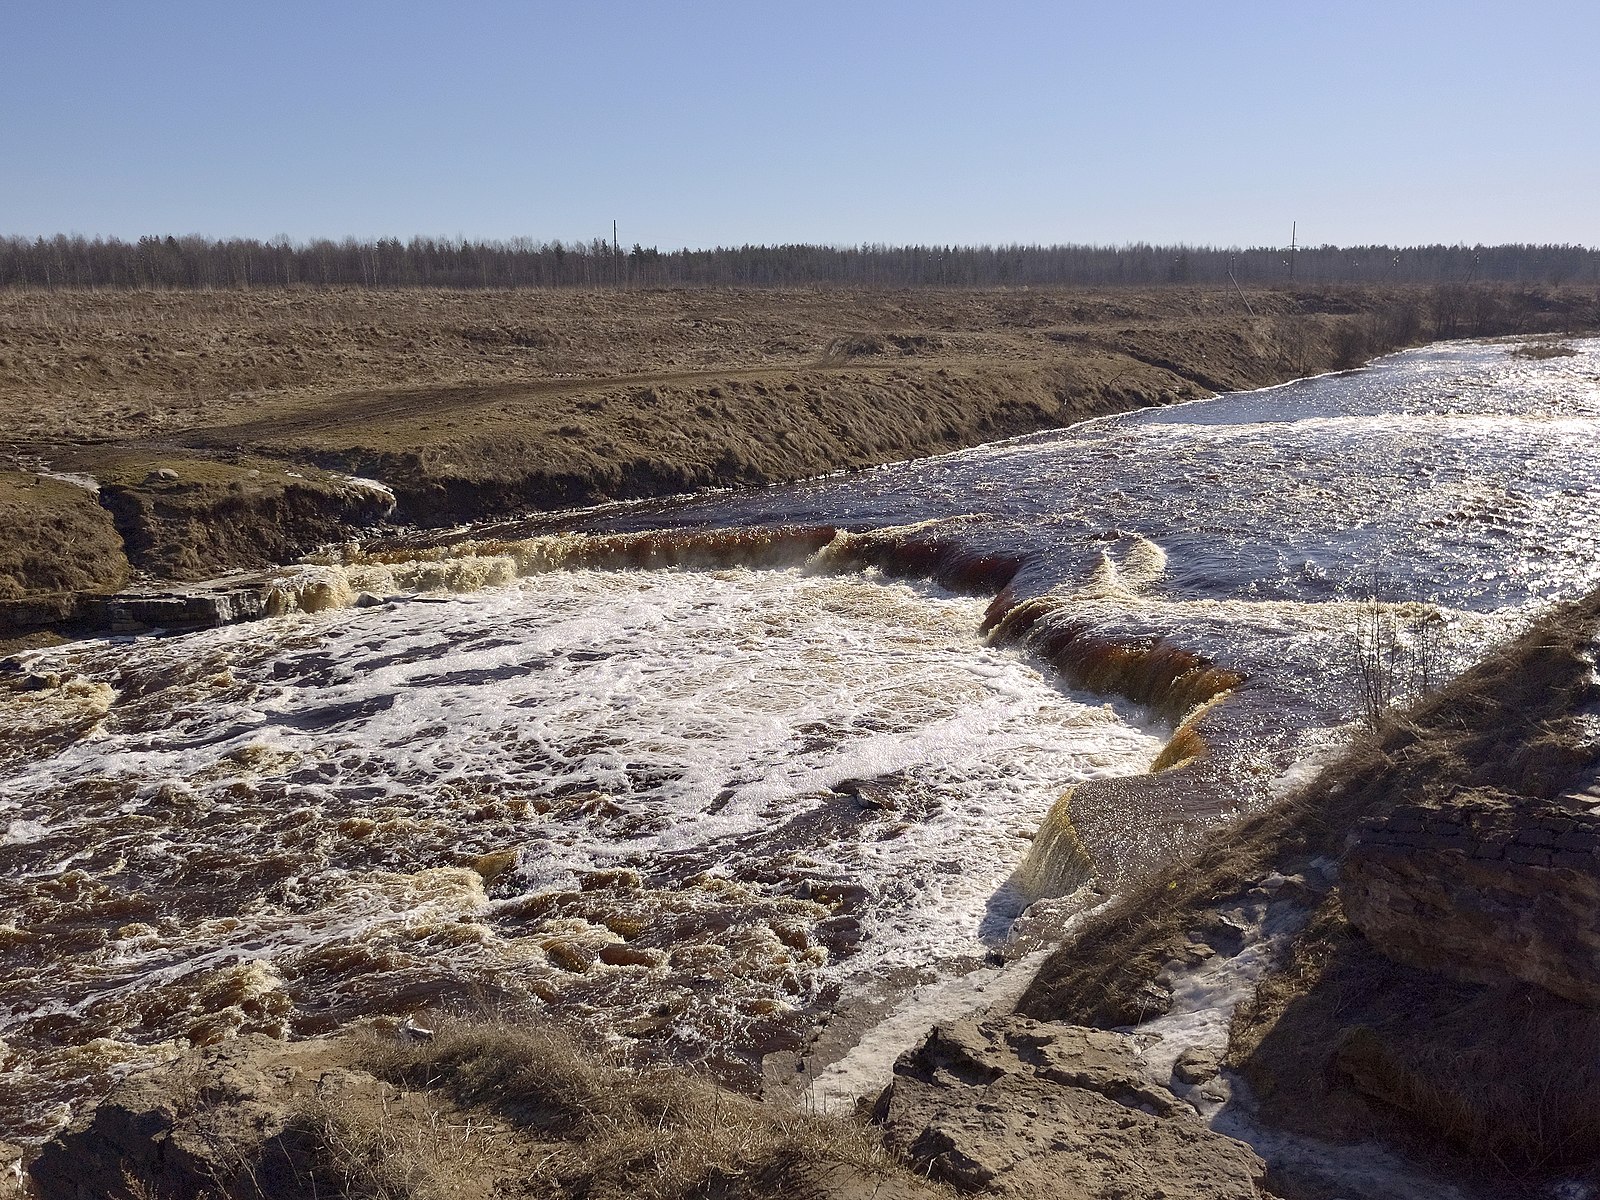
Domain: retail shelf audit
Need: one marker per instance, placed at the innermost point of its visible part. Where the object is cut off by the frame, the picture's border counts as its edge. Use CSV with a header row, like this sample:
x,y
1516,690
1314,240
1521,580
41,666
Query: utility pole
x,y
1239,289
1294,230
616,260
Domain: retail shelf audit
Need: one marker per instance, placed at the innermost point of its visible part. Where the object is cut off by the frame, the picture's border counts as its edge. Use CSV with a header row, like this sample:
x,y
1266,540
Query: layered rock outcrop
x,y
1483,887
1015,1107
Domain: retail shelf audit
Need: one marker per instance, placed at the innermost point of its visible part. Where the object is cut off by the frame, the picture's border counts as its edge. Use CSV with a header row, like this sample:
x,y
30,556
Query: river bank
x,y
1384,983
663,807
179,435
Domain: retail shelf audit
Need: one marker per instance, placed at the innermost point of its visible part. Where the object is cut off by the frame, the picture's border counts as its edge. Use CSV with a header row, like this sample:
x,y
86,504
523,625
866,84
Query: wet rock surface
x,y
1015,1107
1485,887
10,1170
1196,1065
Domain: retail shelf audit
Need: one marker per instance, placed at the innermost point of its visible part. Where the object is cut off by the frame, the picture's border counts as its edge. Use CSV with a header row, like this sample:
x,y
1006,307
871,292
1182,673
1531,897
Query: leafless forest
x,y
198,262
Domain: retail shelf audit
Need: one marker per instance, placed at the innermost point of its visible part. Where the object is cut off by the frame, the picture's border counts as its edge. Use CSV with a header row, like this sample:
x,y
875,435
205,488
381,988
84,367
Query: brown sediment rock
x,y
1014,1107
1485,1088
1167,678
1492,1082
1483,886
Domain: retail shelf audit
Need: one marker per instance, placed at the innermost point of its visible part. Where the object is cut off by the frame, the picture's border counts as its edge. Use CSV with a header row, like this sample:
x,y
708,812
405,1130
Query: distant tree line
x,y
197,262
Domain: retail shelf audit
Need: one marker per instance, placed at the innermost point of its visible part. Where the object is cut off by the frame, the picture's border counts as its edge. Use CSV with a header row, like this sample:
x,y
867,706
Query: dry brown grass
x,y
362,1147
143,363
55,538
493,1107
606,1130
493,403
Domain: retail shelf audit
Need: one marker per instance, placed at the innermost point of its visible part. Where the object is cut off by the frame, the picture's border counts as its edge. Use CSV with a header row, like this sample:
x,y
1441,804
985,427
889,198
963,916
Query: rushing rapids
x,y
843,735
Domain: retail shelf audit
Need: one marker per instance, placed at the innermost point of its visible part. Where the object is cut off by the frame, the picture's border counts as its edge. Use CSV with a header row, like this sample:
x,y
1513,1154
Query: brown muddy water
x,y
840,740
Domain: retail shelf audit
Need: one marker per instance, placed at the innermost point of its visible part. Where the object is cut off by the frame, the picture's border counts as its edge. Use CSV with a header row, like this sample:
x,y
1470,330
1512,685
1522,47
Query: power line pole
x,y
1239,289
1294,230
616,260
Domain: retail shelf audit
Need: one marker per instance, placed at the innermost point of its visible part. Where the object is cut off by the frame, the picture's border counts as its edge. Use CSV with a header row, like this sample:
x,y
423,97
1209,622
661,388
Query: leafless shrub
x,y
1398,652
365,1149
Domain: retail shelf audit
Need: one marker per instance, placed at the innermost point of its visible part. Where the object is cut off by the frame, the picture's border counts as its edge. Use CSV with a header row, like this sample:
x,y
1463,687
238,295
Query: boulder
x,y
1483,887
1196,1066
1015,1107
185,1131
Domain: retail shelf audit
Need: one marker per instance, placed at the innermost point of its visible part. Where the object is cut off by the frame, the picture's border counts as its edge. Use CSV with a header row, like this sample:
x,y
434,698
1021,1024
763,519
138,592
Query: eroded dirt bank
x,y
220,427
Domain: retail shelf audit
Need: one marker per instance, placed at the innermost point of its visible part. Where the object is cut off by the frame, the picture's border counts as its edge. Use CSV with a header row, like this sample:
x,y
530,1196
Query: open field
x,y
219,425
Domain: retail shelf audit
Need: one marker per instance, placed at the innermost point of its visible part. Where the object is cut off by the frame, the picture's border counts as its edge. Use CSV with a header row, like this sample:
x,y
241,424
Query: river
x,y
692,808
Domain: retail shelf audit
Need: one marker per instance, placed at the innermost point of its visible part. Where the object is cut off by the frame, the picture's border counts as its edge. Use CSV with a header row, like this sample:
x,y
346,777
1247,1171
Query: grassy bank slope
x,y
487,403
481,1109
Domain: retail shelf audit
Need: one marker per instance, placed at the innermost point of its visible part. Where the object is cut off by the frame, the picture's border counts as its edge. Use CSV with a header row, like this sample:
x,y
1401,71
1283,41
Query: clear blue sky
x,y
717,123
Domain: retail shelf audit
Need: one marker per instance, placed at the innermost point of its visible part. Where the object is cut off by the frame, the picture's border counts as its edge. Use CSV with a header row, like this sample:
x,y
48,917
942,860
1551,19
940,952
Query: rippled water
x,y
693,807
1462,473
626,794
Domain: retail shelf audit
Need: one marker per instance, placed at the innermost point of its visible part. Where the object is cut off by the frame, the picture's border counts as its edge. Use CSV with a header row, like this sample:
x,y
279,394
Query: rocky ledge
x,y
1484,886
1014,1107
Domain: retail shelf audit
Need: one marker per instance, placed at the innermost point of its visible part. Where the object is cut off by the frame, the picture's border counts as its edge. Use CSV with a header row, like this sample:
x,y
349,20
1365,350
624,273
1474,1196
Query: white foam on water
x,y
684,726
18,832
869,1064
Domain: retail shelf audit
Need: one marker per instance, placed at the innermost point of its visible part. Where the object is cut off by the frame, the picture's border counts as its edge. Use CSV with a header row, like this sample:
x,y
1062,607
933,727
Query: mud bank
x,y
216,427
57,539
202,516
103,518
